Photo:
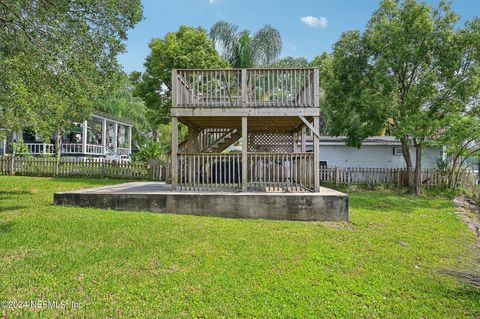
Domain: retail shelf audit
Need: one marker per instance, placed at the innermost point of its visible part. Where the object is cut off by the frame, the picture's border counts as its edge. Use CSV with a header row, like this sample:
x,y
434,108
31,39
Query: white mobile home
x,y
375,152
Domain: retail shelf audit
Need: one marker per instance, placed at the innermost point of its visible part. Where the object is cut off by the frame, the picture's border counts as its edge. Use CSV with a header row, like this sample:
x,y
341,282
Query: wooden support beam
x,y
315,130
174,161
316,156
244,153
244,88
192,143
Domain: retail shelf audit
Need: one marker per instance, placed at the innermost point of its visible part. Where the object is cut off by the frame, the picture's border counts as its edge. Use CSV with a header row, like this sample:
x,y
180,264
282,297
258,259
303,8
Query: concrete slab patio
x,y
327,205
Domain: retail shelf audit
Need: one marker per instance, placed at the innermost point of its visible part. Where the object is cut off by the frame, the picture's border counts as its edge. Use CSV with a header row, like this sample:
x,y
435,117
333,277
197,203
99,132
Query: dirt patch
x,y
469,213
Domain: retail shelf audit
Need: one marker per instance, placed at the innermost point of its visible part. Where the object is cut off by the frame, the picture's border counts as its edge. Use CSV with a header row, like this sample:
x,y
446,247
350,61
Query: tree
x,y
244,50
123,104
291,62
461,137
58,58
185,49
405,75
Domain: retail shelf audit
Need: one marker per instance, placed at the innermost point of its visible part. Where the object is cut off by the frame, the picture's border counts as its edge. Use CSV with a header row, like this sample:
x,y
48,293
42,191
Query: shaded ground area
x,y
386,263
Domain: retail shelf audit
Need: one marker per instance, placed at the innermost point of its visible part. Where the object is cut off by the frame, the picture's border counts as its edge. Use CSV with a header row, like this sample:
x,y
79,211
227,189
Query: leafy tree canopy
x,y
185,49
291,62
57,58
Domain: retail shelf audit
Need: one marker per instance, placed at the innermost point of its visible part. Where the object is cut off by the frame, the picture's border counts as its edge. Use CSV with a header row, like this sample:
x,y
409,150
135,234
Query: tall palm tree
x,y
242,49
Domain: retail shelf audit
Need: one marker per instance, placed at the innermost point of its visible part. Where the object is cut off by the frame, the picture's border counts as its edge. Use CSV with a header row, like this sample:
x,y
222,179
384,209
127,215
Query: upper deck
x,y
240,92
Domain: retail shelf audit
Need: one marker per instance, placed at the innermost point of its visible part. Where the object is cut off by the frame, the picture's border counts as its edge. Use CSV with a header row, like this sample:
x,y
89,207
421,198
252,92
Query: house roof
x,y
374,140
112,118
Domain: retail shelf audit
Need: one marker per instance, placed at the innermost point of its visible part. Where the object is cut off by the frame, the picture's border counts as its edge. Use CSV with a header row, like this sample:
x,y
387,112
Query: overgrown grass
x,y
385,264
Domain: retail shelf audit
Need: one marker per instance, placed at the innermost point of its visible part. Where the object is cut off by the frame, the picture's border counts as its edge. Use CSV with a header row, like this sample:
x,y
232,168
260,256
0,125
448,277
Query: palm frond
x,y
225,37
267,46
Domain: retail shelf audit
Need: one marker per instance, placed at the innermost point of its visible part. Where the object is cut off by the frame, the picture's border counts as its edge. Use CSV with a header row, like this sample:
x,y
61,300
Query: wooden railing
x,y
264,88
208,171
280,171
266,171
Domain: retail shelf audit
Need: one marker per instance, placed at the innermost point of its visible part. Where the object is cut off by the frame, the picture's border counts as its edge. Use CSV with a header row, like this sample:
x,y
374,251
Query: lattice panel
x,y
270,142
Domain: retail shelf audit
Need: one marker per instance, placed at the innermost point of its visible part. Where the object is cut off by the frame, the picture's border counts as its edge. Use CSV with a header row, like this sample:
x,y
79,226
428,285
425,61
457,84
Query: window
x,y
397,151
323,164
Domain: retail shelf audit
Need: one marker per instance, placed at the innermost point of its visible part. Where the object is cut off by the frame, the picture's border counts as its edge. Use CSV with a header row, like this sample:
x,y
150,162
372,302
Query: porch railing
x,y
95,149
72,148
40,148
297,87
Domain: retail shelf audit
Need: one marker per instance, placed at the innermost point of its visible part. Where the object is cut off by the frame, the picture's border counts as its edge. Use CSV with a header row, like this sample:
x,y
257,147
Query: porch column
x,y
84,137
316,155
104,136
115,134
244,153
174,161
129,140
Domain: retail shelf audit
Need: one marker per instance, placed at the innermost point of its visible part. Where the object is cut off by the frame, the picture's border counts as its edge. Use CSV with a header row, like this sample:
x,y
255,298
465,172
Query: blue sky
x,y
308,27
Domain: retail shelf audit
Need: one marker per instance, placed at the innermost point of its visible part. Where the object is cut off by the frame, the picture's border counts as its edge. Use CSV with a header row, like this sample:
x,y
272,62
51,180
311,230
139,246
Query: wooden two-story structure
x,y
266,111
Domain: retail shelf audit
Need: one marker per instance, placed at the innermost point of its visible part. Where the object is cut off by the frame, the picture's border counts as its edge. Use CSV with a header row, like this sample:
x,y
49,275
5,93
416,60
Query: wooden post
x,y
316,90
174,88
174,161
104,136
84,137
192,145
244,153
12,164
316,156
244,88
337,177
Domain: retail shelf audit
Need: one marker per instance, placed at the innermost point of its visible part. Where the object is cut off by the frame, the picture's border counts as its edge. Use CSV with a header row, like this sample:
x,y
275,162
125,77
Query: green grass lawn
x,y
387,263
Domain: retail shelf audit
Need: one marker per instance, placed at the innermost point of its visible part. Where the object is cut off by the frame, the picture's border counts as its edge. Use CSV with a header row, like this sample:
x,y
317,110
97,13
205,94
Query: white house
x,y
375,152
103,135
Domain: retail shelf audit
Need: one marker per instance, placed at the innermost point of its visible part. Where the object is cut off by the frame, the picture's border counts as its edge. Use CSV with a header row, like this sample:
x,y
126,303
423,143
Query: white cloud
x,y
314,22
212,1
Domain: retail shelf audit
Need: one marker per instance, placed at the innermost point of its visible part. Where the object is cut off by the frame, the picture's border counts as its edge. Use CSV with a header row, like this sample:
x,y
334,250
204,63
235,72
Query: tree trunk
x,y
408,161
418,168
58,150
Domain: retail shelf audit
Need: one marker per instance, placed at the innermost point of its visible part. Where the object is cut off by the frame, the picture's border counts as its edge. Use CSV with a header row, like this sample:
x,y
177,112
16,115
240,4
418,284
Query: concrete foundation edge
x,y
271,206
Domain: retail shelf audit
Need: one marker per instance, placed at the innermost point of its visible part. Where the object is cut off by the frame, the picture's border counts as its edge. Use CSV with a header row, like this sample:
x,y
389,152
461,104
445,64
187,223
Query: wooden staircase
x,y
213,140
